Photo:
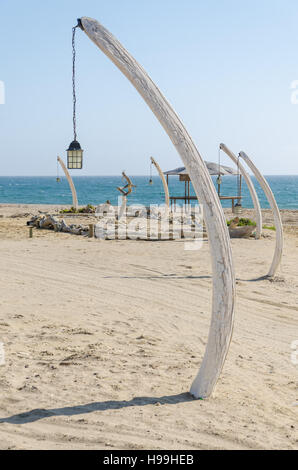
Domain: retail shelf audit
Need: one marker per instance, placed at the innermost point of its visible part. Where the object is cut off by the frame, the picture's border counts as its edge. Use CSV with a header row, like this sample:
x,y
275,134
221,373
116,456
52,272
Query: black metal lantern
x,y
74,156
74,152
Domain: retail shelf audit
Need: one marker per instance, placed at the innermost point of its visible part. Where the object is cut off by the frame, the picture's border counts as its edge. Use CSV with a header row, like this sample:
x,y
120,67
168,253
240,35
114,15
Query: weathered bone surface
x,y
70,182
277,218
222,319
127,189
53,223
165,186
122,211
251,188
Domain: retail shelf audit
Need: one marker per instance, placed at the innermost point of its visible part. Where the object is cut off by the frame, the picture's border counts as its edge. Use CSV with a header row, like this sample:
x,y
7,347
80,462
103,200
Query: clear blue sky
x,y
226,66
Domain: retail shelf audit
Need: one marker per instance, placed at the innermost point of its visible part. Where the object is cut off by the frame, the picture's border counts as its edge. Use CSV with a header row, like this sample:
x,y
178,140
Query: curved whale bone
x,y
128,186
277,218
164,183
71,184
223,298
251,188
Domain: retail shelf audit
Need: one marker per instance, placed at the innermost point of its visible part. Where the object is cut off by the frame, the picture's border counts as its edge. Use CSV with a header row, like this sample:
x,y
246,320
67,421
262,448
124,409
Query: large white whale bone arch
x,y
251,188
277,218
165,186
71,184
223,298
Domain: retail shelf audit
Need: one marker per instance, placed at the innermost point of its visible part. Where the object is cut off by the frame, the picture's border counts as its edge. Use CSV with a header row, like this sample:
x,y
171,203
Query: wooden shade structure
x,y
214,170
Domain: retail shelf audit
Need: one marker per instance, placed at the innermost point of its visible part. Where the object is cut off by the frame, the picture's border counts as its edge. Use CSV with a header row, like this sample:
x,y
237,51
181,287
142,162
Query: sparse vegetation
x,y
72,210
242,222
89,209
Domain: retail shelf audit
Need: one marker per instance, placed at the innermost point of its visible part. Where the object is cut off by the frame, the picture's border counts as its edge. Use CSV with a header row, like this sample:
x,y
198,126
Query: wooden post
x,y
91,231
223,299
30,232
171,231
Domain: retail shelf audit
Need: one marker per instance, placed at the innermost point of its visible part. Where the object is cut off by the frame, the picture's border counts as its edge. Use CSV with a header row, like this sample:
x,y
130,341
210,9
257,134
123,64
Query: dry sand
x,y
103,339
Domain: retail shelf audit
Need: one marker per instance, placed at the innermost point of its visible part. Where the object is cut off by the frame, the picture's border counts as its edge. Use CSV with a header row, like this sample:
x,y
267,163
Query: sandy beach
x,y
102,340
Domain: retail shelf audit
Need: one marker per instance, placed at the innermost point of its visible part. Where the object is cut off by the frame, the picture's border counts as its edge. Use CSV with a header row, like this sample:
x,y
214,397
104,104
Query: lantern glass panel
x,y
75,159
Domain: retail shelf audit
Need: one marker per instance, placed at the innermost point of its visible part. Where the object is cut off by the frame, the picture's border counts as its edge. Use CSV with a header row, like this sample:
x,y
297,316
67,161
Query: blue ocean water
x,y
97,189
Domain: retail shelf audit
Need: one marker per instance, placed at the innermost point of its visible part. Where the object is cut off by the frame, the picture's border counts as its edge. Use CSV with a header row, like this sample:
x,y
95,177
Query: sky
x,y
226,66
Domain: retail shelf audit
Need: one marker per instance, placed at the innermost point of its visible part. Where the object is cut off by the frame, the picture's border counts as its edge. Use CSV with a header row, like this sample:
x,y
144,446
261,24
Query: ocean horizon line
x,y
119,175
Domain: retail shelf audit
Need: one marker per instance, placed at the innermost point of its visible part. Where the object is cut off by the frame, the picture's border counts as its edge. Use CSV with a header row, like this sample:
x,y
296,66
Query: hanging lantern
x,y
58,177
74,156
238,206
218,179
151,180
74,151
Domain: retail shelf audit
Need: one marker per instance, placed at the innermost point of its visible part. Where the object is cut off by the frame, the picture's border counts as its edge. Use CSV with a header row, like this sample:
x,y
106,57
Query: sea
x,y
98,189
